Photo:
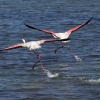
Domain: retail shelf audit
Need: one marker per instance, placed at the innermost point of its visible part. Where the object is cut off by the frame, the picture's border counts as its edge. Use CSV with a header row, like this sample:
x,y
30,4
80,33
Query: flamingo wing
x,y
12,47
46,31
79,26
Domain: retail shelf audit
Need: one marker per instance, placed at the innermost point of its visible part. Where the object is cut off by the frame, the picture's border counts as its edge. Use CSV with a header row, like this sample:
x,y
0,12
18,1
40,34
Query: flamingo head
x,y
23,40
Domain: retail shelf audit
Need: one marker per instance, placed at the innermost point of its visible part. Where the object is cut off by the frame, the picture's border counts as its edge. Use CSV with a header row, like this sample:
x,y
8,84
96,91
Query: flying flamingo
x,y
33,46
64,35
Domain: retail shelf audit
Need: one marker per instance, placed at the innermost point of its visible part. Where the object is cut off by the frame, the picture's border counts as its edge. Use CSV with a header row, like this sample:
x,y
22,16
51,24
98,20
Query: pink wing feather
x,y
13,47
78,27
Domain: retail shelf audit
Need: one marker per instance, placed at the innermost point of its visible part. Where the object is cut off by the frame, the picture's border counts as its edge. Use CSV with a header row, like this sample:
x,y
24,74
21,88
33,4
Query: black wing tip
x,y
89,19
68,39
31,27
26,24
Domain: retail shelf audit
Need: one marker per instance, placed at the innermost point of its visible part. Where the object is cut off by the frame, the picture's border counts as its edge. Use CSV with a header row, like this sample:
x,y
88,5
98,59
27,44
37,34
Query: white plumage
x,y
62,36
32,45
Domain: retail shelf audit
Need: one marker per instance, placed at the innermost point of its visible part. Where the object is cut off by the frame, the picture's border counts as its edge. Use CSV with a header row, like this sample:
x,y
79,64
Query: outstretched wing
x,y
46,31
78,27
12,47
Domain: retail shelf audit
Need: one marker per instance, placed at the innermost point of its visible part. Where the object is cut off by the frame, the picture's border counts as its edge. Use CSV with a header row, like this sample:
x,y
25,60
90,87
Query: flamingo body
x,y
64,35
32,45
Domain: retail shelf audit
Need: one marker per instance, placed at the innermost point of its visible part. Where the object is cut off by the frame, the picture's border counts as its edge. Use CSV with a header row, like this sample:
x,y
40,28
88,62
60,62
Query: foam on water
x,y
77,58
93,80
51,75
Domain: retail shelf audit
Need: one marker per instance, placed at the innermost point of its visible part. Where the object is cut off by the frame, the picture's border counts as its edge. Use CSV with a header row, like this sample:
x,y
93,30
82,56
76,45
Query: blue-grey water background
x,y
76,80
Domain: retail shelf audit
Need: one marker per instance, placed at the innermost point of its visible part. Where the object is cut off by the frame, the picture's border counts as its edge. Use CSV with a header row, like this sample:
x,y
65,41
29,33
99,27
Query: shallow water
x,y
66,79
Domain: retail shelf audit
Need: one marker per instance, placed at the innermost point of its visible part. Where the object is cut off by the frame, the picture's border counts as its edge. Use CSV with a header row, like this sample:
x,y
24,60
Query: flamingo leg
x,y
75,57
59,47
39,60
35,64
71,52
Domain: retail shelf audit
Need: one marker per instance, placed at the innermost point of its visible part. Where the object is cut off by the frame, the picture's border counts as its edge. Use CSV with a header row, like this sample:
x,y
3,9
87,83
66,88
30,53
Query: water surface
x,y
74,80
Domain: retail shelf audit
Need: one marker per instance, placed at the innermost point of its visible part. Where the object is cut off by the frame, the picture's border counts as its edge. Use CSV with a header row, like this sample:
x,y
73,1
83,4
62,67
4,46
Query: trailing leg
x,y
39,58
58,48
35,65
75,57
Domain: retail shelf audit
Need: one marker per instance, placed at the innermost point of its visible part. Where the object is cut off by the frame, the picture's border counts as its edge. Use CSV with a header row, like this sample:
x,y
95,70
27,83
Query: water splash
x,y
94,80
51,75
77,58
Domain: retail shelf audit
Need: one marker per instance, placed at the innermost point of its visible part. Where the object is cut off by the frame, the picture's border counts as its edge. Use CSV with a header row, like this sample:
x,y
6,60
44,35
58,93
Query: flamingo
x,y
64,35
33,46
